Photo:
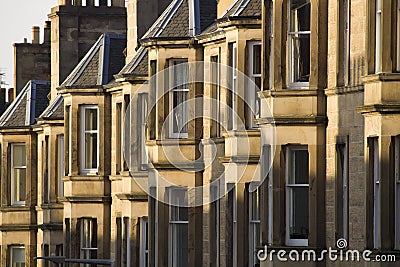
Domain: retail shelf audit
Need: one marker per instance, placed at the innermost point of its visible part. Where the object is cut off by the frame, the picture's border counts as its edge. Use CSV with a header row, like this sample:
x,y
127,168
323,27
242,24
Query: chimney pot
x,y
35,35
25,40
47,31
89,2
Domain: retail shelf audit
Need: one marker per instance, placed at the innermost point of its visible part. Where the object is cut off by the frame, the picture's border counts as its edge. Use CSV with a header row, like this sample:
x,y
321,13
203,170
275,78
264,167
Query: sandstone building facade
x,y
270,123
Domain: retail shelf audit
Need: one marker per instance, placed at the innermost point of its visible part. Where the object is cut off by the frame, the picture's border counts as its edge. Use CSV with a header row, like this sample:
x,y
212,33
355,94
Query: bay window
x,y
342,190
233,90
178,227
255,84
374,167
299,43
144,242
179,84
297,186
17,256
267,175
254,224
88,238
60,164
143,157
89,139
18,174
378,24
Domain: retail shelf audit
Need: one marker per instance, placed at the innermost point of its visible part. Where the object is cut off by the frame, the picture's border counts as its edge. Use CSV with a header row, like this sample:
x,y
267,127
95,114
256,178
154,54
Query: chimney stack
x,y
89,2
103,3
47,32
35,35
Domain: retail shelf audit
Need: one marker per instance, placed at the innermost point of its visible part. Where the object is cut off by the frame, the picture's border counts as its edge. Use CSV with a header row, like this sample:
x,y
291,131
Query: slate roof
x,y
238,9
55,111
174,22
244,8
138,66
27,106
98,66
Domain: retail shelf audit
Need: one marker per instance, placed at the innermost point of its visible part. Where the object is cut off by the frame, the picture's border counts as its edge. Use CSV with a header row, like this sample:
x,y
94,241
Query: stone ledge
x,y
379,109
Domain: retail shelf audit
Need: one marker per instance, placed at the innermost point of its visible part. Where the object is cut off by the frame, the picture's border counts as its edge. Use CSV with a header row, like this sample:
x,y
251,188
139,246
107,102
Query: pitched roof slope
x,y
138,66
238,9
98,66
55,111
27,106
181,20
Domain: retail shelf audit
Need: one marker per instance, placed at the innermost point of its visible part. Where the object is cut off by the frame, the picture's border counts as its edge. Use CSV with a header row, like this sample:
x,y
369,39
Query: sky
x,y
16,20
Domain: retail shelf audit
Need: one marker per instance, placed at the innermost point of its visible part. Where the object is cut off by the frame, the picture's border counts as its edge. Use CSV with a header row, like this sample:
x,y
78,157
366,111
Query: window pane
x,y
91,150
179,210
90,119
179,236
298,212
300,44
181,75
18,257
257,59
19,155
180,114
19,176
300,15
298,167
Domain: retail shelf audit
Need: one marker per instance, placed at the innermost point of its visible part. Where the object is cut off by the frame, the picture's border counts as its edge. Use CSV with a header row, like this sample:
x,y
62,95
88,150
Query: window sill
x,y
381,77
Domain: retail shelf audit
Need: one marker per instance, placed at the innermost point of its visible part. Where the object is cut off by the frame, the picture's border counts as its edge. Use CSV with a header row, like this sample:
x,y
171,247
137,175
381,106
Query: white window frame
x,y
291,35
378,35
252,95
84,170
86,231
290,241
60,164
173,222
172,63
12,248
254,222
234,86
215,72
144,242
14,201
397,192
143,157
69,111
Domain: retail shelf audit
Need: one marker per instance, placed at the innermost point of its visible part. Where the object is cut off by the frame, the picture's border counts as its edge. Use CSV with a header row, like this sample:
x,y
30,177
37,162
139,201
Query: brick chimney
x,y
47,32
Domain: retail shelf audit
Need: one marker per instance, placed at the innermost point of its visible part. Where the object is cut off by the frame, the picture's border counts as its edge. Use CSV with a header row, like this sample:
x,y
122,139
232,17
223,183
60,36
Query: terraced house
x,y
200,132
